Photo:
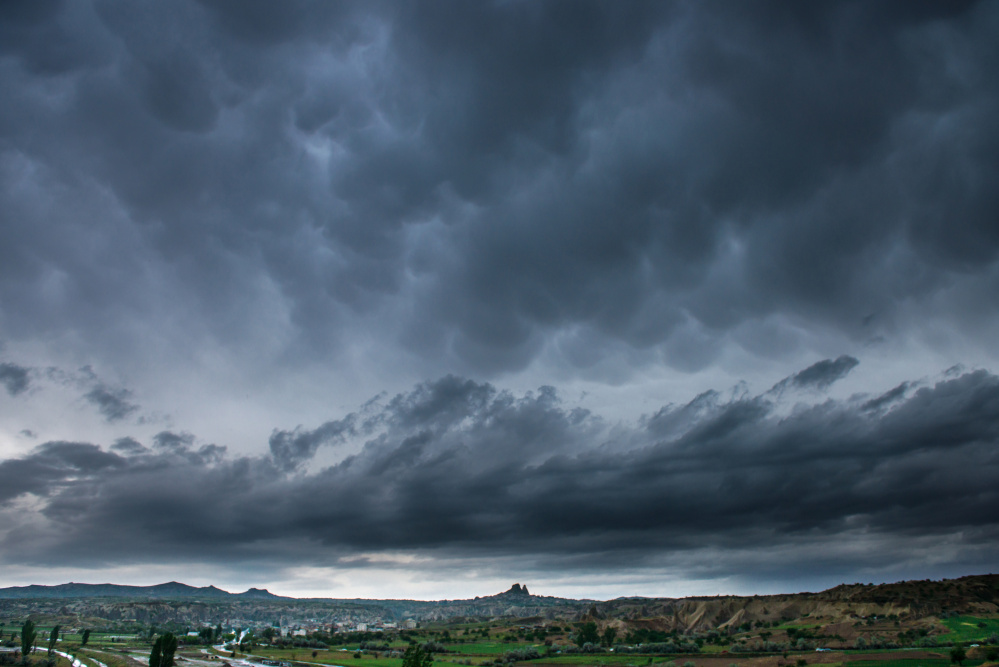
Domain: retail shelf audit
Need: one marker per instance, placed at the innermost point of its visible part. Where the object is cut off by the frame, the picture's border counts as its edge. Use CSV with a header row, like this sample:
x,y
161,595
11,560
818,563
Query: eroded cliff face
x,y
842,604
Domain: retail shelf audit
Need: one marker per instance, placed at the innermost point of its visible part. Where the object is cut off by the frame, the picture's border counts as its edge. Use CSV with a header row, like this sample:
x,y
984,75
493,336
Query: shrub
x,y
517,655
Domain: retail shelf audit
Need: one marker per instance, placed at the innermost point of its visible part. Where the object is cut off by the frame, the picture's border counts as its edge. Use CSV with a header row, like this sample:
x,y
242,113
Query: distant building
x,y
409,624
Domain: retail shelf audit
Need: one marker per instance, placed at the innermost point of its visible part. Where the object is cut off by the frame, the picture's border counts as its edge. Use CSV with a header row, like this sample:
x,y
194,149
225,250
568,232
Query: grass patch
x,y
109,659
343,658
593,659
714,648
490,648
624,659
909,662
966,628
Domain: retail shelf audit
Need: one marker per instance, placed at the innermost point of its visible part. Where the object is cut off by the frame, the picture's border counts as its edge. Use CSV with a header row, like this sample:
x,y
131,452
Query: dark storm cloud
x,y
49,466
14,378
484,181
457,467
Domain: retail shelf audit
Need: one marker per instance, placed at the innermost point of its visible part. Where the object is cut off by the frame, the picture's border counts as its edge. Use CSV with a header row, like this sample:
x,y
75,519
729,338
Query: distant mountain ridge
x,y
169,591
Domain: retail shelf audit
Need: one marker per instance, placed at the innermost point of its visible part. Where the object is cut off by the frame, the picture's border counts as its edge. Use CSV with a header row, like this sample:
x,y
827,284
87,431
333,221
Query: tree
x,y
53,638
85,638
610,634
167,649
28,635
156,654
957,654
415,656
587,634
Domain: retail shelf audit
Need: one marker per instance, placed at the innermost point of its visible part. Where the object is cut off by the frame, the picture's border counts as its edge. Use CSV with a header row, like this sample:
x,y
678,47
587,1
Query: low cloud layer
x,y
458,469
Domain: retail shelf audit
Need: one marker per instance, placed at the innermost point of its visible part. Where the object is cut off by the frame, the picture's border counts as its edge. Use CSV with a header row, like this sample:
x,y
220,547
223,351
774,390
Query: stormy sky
x,y
420,299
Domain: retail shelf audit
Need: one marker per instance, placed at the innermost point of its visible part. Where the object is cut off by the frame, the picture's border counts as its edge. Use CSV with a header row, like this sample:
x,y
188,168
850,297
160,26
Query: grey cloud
x,y
824,373
128,446
485,183
888,398
175,442
820,375
289,449
113,403
457,468
14,378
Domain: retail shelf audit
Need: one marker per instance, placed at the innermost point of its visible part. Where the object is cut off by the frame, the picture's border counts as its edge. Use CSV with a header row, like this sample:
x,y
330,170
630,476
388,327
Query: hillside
x,y
835,617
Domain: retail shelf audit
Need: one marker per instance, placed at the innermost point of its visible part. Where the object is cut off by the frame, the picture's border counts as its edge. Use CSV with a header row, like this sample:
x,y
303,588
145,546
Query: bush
x,y
517,655
659,648
585,648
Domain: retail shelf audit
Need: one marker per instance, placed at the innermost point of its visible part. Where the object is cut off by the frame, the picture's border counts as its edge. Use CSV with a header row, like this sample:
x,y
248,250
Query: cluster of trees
x,y
649,636
588,634
29,635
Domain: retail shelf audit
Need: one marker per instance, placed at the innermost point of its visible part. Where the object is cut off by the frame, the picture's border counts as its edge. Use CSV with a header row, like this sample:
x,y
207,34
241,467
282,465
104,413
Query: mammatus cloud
x,y
481,185
457,468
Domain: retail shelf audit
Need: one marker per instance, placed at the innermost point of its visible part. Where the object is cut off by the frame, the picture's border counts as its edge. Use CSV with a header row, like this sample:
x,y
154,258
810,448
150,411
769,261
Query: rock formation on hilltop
x,y
517,589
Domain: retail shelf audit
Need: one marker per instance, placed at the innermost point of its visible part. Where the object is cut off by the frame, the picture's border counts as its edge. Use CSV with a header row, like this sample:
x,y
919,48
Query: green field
x,y
109,659
625,660
593,659
909,662
344,658
491,648
966,628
